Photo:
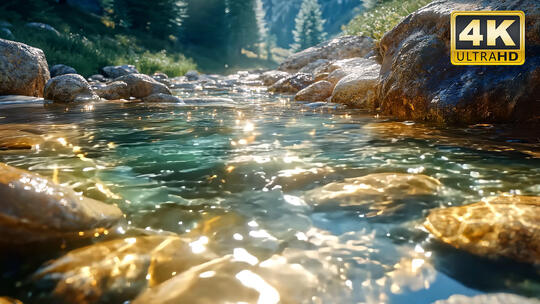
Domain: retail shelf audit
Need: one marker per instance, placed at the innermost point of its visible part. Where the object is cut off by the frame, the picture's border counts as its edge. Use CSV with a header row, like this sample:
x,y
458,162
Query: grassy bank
x,y
383,17
88,42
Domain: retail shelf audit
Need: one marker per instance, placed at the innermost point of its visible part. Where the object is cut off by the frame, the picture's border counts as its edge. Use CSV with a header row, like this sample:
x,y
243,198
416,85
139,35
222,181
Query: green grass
x,y
88,43
382,18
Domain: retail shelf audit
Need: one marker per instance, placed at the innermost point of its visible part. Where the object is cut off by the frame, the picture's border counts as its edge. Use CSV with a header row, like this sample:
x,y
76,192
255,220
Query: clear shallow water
x,y
242,170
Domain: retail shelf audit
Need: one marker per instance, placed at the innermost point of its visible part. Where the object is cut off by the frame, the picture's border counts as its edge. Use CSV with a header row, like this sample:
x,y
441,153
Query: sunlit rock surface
x,y
118,270
378,186
23,69
494,298
68,88
18,140
339,48
5,300
271,77
292,84
504,226
113,90
141,85
358,89
319,91
34,208
160,97
419,82
239,278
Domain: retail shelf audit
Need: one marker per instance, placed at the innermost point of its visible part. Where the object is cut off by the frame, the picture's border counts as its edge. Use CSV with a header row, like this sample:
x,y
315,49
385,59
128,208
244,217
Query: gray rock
x,y
34,208
418,81
61,69
98,78
271,77
6,33
43,26
119,71
113,91
162,98
141,85
192,75
314,66
319,91
339,48
23,69
359,88
68,88
504,226
292,84
494,298
158,75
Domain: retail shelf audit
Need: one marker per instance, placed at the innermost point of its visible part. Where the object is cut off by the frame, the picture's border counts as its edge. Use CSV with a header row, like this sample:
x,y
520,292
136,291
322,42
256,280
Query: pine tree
x,y
309,26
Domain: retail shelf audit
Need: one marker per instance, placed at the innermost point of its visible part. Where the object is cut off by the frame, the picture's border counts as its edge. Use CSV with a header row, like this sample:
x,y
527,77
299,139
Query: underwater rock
x,y
271,77
339,48
141,85
113,90
418,81
292,84
18,140
319,91
118,270
239,278
61,69
358,89
160,97
373,187
34,208
503,226
23,69
493,298
68,88
119,71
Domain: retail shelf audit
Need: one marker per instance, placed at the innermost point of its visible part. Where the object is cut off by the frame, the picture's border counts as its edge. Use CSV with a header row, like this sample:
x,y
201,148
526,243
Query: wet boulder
x,y
339,48
141,85
373,188
69,88
113,91
119,70
292,84
491,298
271,77
160,97
118,270
34,208
358,89
61,69
418,81
504,226
319,91
23,69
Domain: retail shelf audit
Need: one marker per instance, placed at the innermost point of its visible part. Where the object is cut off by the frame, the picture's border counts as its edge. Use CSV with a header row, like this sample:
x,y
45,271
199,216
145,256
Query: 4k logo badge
x,y
487,38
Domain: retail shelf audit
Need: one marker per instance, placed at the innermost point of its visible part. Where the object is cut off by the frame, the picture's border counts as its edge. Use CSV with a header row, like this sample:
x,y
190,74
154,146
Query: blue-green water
x,y
171,167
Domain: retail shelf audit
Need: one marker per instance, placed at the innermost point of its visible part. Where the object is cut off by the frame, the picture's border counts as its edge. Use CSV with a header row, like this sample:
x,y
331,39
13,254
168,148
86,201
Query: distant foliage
x,y
309,26
381,16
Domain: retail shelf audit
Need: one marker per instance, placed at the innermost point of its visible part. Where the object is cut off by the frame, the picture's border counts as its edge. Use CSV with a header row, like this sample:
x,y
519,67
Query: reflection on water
x,y
273,201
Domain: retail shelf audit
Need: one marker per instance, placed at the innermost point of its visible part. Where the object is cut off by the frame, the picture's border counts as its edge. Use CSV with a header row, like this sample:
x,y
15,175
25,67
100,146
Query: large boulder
x,y
34,208
358,89
319,91
119,70
61,69
141,85
504,226
339,48
292,84
120,269
23,69
69,88
419,82
113,91
492,298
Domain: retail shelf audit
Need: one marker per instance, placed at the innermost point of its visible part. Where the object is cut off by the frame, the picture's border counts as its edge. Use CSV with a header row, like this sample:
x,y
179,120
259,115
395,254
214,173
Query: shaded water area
x,y
242,175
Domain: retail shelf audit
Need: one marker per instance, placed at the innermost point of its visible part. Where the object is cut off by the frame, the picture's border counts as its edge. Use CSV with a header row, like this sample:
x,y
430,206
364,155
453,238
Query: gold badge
x,y
487,38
